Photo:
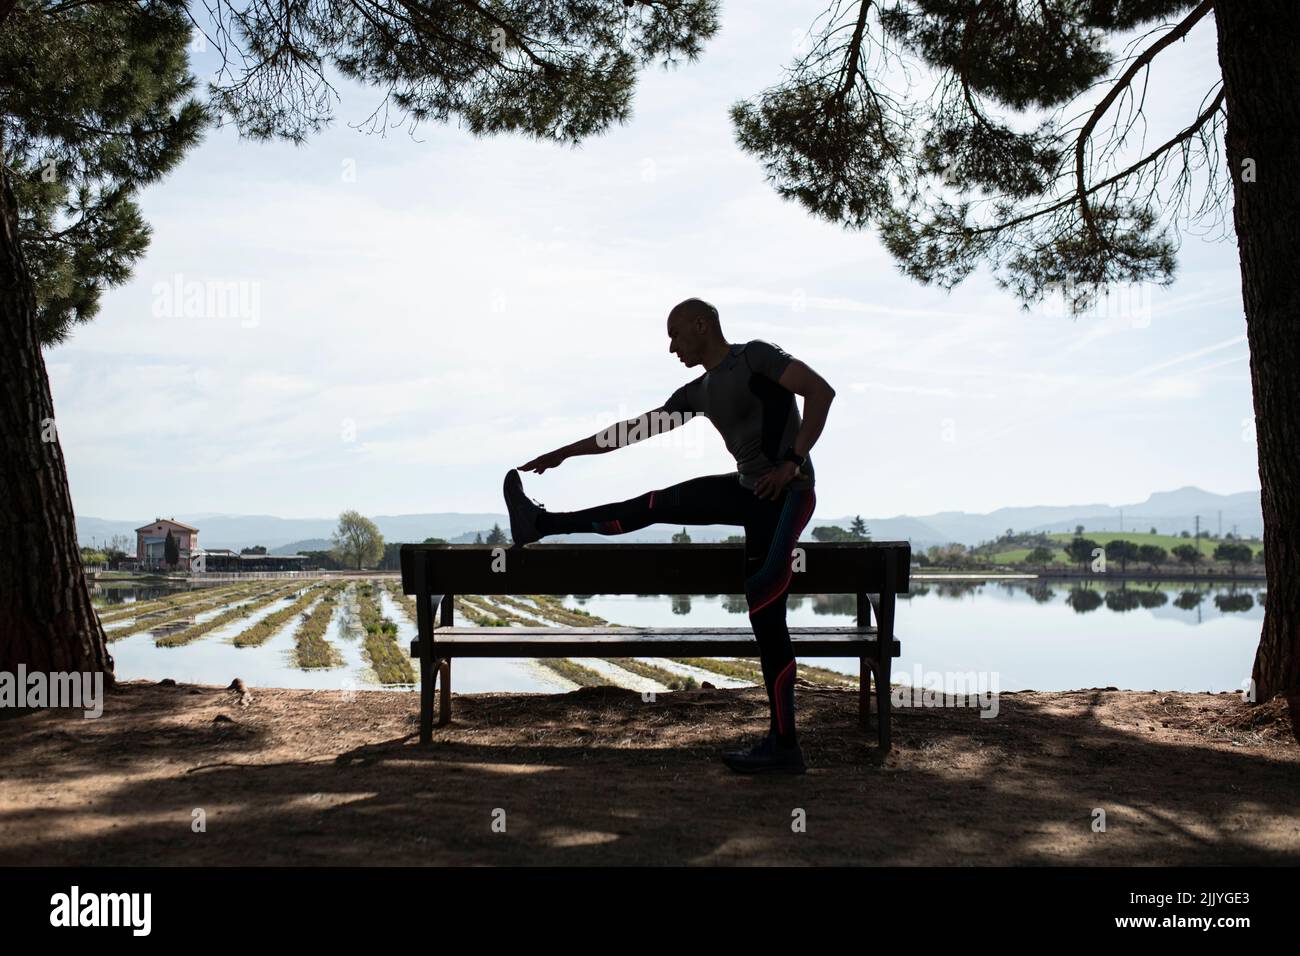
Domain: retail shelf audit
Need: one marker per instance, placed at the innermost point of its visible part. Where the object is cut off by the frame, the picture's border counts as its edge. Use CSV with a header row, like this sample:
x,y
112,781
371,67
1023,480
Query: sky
x,y
405,319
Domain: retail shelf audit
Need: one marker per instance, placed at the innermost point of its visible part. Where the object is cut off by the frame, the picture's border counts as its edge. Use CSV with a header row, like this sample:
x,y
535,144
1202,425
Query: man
x,y
747,391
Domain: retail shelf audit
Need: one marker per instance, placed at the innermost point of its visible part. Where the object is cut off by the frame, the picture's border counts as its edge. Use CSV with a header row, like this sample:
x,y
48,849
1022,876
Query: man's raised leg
x,y
710,499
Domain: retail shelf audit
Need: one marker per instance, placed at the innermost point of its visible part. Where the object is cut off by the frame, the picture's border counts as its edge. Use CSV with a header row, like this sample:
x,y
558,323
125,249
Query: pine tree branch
x,y
1151,157
1081,191
520,39
855,52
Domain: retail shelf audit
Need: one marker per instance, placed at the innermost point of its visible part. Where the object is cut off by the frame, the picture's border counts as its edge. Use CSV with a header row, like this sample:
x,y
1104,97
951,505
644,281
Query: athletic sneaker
x,y
770,756
523,510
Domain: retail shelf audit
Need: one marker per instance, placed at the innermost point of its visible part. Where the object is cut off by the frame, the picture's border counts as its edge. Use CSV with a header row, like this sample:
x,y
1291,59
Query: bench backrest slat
x,y
849,567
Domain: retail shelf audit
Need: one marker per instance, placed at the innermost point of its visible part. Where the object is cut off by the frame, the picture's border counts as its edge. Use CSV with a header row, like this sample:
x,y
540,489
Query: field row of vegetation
x,y
553,610
185,601
390,662
572,671
474,613
670,679
482,612
263,630
195,631
310,648
502,611
139,608
186,613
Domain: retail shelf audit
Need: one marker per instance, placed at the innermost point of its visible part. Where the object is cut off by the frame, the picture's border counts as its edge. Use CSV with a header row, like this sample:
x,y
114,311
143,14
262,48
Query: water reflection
x,y
1130,599
1039,633
1047,634
1041,591
1234,601
1084,600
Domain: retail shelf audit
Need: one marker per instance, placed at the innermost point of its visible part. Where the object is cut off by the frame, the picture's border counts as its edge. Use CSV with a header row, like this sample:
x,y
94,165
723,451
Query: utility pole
x,y
1198,533
1121,520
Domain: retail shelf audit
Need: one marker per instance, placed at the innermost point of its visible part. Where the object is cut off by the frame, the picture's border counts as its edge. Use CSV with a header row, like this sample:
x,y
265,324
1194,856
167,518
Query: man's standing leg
x,y
769,541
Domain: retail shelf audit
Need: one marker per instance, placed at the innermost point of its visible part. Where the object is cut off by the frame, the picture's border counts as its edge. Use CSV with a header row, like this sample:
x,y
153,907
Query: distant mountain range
x,y
1169,512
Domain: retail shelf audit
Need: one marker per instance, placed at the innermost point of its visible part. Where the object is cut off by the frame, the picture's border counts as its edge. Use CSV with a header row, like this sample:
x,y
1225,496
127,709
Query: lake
x,y
1039,635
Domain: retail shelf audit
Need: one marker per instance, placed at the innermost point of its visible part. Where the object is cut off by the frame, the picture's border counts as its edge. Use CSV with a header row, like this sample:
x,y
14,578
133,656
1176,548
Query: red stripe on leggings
x,y
789,569
778,699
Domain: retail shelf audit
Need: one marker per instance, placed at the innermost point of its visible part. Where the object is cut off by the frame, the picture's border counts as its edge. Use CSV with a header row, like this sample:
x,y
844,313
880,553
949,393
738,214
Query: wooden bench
x,y
874,571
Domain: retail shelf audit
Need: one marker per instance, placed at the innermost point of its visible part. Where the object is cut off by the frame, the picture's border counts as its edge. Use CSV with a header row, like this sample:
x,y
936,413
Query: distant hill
x,y
307,544
1169,512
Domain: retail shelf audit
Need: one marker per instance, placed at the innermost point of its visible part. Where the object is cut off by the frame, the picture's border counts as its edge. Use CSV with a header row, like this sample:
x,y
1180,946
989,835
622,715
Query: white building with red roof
x,y
151,543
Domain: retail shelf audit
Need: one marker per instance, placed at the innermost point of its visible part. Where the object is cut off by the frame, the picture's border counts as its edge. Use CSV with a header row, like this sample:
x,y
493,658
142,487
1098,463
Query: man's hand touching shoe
x,y
551,459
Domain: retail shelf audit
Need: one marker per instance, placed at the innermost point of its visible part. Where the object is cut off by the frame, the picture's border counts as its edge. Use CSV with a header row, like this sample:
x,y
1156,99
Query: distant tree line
x,y
1082,551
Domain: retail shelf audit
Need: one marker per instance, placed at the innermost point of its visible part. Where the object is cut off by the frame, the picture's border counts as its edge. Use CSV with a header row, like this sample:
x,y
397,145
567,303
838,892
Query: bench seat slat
x,y
445,633
649,648
645,641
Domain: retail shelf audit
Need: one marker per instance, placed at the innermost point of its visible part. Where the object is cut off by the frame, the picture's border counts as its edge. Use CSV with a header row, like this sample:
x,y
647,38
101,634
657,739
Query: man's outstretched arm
x,y
629,432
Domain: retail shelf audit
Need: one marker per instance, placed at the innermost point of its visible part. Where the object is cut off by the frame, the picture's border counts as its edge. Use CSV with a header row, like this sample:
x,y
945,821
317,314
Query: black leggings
x,y
772,529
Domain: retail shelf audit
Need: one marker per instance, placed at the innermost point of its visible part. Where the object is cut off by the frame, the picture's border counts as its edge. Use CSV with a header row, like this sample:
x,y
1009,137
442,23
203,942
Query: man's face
x,y
685,339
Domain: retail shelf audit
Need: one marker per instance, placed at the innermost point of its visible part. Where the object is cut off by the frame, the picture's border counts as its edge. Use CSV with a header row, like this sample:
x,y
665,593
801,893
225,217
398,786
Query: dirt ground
x,y
598,776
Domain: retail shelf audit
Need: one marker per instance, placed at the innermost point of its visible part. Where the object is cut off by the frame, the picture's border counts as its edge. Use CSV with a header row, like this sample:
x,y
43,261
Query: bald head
x,y
695,332
694,311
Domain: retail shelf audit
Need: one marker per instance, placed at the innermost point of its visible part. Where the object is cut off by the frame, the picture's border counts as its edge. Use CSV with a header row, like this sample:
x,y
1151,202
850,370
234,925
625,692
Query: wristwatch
x,y
794,456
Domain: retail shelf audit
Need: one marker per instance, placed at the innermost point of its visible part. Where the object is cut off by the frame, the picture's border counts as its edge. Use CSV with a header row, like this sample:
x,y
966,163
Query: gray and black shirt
x,y
756,415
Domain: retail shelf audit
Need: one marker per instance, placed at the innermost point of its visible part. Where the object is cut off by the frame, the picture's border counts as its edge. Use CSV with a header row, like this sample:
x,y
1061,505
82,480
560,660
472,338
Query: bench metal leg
x,y
444,702
428,679
884,666
885,650
866,665
424,605
864,693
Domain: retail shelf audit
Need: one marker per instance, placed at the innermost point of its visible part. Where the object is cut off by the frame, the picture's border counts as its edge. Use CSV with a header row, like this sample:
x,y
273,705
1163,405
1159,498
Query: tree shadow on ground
x,y
599,776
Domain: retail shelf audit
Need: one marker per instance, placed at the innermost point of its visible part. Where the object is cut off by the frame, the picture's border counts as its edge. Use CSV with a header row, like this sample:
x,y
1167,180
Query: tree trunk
x,y
46,619
1258,44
